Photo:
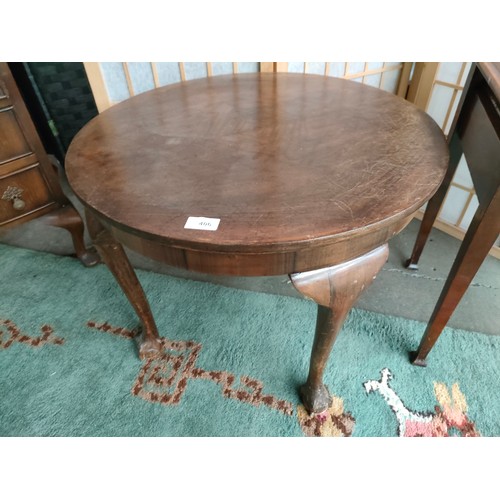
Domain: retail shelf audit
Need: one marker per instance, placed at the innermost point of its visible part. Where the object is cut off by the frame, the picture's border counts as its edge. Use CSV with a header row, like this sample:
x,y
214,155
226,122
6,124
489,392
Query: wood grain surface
x,y
296,167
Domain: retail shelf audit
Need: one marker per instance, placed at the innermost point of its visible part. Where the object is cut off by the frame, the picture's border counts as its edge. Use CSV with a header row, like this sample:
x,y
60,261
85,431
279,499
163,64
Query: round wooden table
x,y
258,174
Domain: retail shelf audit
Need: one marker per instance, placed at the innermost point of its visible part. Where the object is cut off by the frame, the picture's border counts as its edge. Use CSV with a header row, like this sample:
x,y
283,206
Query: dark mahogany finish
x,y
476,134
114,257
29,184
304,172
293,165
335,290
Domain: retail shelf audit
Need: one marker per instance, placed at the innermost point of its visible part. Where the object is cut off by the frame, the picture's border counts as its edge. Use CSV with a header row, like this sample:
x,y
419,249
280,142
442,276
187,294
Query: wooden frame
x,y
96,80
98,85
103,101
404,67
422,83
404,80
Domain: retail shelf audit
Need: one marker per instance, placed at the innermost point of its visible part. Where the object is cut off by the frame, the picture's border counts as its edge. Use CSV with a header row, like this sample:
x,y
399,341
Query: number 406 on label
x,y
202,223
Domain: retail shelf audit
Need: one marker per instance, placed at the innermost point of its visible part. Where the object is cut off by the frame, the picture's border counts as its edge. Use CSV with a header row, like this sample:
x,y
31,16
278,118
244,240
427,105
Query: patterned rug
x,y
232,361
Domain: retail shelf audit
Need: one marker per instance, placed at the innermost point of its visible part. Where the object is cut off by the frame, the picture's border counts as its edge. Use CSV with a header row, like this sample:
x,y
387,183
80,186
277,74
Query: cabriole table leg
x,y
335,289
115,258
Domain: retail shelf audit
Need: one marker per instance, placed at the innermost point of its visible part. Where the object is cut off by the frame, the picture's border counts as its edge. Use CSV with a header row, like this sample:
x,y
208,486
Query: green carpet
x,y
233,360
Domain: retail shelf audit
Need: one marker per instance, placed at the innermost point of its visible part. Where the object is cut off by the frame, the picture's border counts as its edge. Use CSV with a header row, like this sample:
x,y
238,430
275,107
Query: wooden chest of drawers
x,y
29,183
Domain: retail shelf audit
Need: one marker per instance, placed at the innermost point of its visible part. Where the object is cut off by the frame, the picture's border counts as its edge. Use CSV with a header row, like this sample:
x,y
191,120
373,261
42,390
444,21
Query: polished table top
x,y
285,161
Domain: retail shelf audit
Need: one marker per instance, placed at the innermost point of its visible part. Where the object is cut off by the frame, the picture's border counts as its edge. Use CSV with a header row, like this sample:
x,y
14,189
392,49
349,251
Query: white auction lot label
x,y
203,223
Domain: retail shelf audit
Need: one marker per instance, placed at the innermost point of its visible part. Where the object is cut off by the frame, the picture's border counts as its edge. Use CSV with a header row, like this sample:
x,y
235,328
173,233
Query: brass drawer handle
x,y
14,194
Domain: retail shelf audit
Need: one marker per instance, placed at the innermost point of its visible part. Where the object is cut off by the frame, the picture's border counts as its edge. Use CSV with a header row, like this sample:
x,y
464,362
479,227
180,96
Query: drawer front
x,y
22,193
13,144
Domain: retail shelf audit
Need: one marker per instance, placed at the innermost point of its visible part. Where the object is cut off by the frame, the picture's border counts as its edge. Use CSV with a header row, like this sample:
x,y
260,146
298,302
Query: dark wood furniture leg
x,y
480,237
434,204
115,258
68,218
335,289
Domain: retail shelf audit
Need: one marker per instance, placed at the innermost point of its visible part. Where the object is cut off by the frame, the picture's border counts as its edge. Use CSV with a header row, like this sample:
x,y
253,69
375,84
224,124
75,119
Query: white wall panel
x,y
141,76
453,205
462,175
115,81
449,72
168,73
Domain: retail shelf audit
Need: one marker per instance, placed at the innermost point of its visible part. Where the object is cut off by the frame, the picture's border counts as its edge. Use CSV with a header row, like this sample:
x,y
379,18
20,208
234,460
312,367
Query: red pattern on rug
x,y
164,379
10,333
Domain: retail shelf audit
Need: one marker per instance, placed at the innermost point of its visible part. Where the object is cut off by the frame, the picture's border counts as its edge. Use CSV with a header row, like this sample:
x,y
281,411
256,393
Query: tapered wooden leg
x,y
115,258
480,237
335,289
68,218
434,204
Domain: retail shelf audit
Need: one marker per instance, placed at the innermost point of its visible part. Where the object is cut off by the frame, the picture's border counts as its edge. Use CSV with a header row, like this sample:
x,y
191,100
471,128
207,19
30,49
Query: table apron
x,y
260,264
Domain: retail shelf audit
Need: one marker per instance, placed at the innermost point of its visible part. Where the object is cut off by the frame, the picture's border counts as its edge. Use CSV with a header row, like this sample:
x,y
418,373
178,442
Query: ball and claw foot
x,y
149,347
414,360
316,399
